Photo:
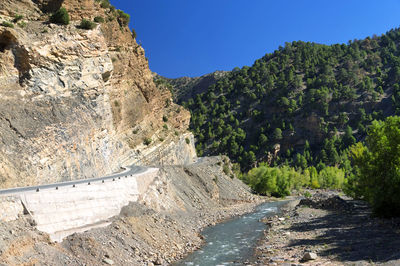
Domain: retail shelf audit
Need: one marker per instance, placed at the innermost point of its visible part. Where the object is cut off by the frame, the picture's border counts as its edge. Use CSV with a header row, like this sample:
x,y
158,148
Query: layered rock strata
x,y
79,103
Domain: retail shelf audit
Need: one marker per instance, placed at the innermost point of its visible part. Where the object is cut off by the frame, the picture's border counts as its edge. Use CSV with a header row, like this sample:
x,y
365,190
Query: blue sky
x,y
192,38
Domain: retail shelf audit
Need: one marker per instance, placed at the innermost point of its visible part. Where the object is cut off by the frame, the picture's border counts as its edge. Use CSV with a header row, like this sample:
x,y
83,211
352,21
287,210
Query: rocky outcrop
x,y
79,103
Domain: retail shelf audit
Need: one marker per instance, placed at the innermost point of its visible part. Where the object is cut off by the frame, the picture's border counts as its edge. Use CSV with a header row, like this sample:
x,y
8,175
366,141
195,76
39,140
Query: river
x,y
232,242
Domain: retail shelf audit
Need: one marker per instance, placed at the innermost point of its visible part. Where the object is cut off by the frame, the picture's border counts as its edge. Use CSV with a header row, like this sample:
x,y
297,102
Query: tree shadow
x,y
351,236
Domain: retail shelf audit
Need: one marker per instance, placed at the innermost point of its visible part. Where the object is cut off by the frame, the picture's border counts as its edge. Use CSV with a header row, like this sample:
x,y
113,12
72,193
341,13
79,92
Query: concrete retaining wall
x,y
66,210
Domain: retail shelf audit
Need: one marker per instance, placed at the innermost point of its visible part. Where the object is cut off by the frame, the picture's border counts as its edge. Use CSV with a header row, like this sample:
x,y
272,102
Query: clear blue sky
x,y
195,37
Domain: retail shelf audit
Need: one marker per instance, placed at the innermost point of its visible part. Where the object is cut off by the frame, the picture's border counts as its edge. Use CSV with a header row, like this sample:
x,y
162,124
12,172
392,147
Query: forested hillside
x,y
302,105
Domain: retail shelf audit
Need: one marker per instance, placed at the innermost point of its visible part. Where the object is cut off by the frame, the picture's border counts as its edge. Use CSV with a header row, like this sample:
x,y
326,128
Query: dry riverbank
x,y
340,231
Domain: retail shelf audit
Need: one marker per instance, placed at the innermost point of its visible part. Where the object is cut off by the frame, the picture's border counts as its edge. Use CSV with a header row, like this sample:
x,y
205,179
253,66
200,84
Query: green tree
x,y
277,134
377,168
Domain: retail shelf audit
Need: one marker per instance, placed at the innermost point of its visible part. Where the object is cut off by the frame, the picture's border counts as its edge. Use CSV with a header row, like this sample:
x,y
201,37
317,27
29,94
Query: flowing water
x,y
232,242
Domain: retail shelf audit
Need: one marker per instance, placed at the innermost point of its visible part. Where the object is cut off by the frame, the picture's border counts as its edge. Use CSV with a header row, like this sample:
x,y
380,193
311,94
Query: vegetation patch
x,y
99,19
281,181
105,4
87,24
61,17
376,176
147,141
123,18
17,18
7,24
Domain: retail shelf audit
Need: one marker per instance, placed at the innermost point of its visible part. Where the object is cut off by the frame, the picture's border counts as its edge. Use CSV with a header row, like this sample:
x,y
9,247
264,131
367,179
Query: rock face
x,y
79,103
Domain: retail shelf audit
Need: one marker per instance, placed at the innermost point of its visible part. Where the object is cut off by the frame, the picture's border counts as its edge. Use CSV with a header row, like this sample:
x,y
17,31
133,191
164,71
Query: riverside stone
x,y
309,256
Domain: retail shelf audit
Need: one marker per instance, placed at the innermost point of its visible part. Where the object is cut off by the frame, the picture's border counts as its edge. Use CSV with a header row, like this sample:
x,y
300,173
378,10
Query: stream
x,y
232,242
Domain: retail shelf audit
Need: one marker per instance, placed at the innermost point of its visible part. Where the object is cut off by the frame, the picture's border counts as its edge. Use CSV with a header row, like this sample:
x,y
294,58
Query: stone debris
x,y
309,256
108,261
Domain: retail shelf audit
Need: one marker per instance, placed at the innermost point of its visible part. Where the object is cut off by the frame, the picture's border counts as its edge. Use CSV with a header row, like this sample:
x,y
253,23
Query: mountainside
x,y
302,105
78,102
185,88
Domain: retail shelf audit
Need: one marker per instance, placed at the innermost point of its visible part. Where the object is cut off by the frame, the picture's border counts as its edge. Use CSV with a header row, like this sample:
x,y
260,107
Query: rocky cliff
x,y
79,103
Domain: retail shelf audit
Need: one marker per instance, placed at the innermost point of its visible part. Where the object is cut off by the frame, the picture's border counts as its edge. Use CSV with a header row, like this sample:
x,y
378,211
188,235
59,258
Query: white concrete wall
x,y
76,209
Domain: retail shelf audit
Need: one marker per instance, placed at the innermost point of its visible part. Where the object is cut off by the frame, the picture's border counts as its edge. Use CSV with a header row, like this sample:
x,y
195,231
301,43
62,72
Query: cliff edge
x,y
79,103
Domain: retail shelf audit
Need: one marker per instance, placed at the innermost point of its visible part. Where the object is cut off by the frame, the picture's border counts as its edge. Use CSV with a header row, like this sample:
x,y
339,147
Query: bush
x,y
99,19
133,34
22,24
376,175
226,169
307,194
87,24
7,24
187,140
280,181
123,18
147,141
60,17
164,118
17,18
105,4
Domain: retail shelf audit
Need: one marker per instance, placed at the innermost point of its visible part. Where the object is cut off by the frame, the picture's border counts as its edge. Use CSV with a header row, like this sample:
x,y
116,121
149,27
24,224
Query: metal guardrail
x,y
129,172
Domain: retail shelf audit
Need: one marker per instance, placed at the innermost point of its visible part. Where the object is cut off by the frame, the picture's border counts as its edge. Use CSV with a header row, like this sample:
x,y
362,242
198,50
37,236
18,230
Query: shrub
x,y
147,141
226,169
7,24
123,18
280,181
105,4
99,19
164,118
60,17
17,18
187,140
87,24
133,34
22,24
307,194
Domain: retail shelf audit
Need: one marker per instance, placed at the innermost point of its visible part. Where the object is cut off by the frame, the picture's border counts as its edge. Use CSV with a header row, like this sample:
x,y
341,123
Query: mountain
x,y
79,101
186,87
302,105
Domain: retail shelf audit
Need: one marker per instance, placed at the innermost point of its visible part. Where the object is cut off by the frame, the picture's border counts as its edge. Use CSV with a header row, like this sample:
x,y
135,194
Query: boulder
x,y
309,256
